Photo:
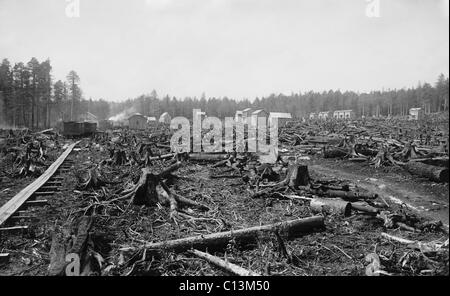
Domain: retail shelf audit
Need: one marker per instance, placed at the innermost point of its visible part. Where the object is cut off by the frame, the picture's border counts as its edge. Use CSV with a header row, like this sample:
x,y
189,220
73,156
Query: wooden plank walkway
x,y
8,209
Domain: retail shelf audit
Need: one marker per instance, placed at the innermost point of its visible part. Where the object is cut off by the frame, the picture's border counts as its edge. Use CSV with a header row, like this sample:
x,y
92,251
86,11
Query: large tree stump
x,y
298,175
145,190
151,189
93,180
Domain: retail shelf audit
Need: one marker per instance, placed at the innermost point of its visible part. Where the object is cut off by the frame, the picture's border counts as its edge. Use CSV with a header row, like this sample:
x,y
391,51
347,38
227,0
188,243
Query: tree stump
x,y
298,175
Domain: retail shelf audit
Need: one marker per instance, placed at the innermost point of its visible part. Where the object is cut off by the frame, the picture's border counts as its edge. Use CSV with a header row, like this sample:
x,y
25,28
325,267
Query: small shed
x,y
246,115
258,114
137,121
165,118
282,117
415,113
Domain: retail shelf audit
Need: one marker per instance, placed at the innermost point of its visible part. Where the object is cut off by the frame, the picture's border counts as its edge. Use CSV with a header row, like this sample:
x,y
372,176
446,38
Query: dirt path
x,y
415,198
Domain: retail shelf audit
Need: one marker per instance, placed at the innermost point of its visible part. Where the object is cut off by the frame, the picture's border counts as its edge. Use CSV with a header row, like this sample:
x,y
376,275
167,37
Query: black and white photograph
x,y
222,144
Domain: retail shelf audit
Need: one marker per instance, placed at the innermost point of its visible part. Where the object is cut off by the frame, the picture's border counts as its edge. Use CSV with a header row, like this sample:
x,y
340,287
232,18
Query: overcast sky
x,y
234,48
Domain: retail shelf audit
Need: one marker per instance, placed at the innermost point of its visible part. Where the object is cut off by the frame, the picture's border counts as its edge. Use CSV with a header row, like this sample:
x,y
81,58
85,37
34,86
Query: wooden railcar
x,y
79,129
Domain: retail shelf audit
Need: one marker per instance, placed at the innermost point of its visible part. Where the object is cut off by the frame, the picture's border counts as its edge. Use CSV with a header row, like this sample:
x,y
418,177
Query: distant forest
x,y
431,97
30,97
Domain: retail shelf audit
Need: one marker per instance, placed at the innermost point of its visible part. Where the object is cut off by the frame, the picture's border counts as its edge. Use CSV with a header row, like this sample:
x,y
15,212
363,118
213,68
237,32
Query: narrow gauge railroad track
x,y
15,210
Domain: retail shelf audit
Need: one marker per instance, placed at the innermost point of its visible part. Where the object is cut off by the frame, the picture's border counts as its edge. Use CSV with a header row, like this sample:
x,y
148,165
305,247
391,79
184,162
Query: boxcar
x,y
73,129
79,129
89,128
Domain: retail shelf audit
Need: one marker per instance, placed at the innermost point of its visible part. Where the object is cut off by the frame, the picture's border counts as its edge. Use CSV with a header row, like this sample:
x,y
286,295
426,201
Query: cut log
x,y
13,229
425,247
224,265
331,152
218,241
162,157
365,208
346,195
434,173
330,206
166,173
202,157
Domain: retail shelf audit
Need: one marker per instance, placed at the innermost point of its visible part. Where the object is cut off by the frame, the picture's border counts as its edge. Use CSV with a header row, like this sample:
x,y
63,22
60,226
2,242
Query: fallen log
x,y
330,152
346,195
435,161
365,208
161,157
425,247
330,206
202,157
293,228
434,173
224,265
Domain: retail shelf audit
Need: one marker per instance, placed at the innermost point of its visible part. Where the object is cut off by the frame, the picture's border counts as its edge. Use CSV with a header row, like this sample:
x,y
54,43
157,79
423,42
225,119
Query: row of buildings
x,y
139,121
248,116
414,114
338,114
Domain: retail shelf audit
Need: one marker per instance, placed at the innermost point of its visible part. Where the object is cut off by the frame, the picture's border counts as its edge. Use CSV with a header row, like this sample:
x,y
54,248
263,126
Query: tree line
x,y
29,97
430,97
